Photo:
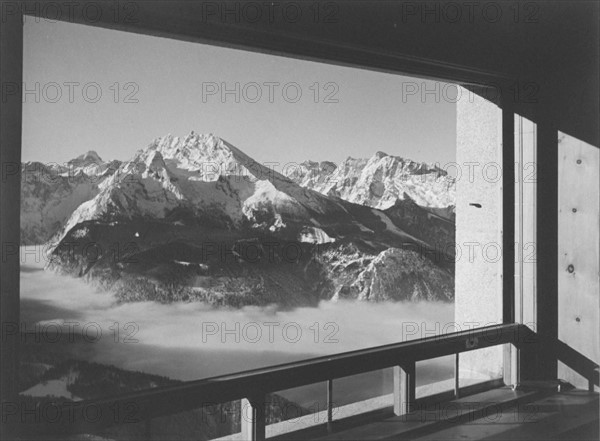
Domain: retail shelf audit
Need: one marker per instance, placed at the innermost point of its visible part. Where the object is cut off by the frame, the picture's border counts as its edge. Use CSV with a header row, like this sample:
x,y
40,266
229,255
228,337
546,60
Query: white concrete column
x,y
478,284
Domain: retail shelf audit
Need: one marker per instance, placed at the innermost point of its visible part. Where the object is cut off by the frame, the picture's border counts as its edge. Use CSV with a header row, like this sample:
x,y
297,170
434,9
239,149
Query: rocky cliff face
x,y
378,181
196,219
51,192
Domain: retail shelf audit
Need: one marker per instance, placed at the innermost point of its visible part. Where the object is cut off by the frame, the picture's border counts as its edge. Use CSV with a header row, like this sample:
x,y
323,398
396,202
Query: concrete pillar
x,y
478,284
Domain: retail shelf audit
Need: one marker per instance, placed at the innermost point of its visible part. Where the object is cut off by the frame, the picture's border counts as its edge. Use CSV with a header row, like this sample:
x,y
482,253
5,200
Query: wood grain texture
x,y
578,258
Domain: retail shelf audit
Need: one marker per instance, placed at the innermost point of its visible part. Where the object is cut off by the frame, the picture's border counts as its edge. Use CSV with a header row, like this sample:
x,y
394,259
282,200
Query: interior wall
x,y
11,72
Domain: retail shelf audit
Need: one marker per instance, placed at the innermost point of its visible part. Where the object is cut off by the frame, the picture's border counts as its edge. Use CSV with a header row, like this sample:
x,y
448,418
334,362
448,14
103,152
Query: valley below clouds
x,y
147,331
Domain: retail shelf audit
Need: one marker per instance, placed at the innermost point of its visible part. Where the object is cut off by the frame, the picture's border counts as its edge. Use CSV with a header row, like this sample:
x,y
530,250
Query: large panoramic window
x,y
190,211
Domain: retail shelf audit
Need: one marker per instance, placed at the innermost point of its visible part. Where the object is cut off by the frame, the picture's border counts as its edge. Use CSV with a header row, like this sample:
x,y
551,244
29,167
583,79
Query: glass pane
x,y
435,376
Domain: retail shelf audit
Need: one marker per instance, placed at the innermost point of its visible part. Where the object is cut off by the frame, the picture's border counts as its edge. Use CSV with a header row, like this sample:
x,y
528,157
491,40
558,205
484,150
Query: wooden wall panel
x,y
578,260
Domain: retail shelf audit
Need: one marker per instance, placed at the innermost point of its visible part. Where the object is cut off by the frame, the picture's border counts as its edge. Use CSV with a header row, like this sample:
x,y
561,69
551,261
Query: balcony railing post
x,y
592,379
253,418
404,388
329,405
457,375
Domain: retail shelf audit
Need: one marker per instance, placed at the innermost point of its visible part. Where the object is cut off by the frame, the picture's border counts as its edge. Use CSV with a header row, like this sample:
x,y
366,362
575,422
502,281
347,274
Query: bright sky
x,y
167,79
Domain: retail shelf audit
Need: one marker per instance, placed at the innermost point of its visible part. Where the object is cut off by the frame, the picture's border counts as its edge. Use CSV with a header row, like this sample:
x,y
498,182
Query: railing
x,y
252,386
578,362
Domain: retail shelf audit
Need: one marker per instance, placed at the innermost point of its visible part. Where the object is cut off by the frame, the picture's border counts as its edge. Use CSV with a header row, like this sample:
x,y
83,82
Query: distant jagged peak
x,y
196,138
37,166
323,166
206,156
379,181
193,151
379,155
309,164
407,165
329,164
154,160
191,141
351,162
90,157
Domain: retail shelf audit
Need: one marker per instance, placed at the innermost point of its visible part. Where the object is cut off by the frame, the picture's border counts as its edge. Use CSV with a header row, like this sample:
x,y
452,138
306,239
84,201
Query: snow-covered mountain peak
x,y
204,154
180,196
91,157
154,165
378,181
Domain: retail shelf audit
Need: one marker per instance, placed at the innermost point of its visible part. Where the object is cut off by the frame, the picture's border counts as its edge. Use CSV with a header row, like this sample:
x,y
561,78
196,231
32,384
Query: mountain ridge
x,y
178,195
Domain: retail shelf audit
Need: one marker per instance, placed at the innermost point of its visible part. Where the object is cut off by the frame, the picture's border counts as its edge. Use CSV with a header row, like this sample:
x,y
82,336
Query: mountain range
x,y
196,219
